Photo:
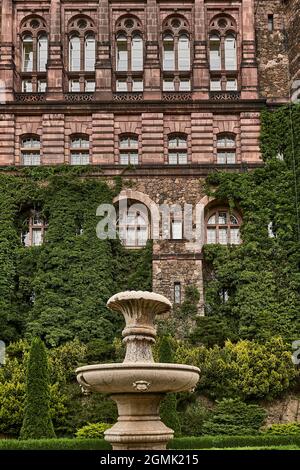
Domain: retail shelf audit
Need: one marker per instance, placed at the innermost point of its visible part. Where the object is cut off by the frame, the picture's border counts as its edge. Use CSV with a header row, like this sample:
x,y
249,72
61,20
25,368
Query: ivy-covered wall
x,y
262,275
58,291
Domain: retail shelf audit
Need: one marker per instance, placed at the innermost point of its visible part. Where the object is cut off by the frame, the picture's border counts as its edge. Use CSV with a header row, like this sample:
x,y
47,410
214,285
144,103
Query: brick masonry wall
x,y
104,130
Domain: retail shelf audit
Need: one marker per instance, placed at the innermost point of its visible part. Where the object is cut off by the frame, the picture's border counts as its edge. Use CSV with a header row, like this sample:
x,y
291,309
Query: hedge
x,y
205,442
221,442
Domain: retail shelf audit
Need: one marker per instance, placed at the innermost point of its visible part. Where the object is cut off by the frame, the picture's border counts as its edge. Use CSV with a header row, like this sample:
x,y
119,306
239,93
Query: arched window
x,y
223,227
74,53
129,55
215,52
133,225
34,55
80,150
90,53
226,149
223,54
128,150
82,55
27,53
30,150
177,149
176,55
42,53
136,53
169,53
184,55
37,227
230,52
122,53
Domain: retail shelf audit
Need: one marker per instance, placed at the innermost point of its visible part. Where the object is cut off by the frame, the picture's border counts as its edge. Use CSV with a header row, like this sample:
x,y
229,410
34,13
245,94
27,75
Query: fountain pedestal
x,y
138,384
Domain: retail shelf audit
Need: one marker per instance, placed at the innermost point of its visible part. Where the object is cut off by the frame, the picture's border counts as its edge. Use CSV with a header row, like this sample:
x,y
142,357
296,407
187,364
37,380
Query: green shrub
x,y
192,419
93,431
37,422
233,417
284,429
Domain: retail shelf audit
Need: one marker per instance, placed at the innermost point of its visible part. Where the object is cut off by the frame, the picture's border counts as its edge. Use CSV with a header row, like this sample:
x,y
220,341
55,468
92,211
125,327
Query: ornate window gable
x,y
223,53
34,54
176,54
82,54
129,54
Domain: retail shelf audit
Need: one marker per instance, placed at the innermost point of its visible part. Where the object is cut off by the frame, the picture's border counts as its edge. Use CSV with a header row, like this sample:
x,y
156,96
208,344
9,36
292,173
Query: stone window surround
x,y
214,29
122,27
73,28
27,28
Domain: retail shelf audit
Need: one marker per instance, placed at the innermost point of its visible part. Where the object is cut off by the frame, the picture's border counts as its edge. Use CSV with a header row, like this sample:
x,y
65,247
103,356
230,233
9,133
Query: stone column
x,y
249,76
103,58
200,62
7,66
152,88
55,63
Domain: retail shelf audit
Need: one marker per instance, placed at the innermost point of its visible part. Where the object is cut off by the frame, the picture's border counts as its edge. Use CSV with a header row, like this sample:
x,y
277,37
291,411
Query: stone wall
x,y
293,38
273,61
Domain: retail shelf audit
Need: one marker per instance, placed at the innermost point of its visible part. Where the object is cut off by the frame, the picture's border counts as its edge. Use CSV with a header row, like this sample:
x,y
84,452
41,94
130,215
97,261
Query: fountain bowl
x,y
138,377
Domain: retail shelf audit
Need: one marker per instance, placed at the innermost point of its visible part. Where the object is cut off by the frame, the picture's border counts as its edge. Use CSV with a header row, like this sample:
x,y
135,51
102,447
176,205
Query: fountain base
x,y
139,425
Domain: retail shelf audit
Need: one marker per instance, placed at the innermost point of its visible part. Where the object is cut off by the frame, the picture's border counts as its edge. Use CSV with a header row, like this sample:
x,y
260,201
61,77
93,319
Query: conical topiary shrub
x,y
37,422
168,411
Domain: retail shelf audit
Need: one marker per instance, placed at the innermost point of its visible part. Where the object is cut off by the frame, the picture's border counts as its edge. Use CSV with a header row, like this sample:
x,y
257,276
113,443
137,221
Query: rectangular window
x,y
231,84
80,158
137,85
168,59
30,159
122,57
182,158
168,85
90,85
234,236
27,86
215,84
42,85
223,236
74,86
27,57
211,235
270,23
37,238
176,229
173,158
224,158
122,85
141,236
177,293
185,85
124,160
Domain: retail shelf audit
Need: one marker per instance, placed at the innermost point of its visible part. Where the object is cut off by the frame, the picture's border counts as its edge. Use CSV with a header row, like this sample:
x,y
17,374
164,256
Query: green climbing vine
x,y
261,277
58,291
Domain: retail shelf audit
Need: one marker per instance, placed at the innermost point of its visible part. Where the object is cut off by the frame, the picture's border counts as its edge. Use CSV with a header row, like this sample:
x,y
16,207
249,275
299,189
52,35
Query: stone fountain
x,y
138,384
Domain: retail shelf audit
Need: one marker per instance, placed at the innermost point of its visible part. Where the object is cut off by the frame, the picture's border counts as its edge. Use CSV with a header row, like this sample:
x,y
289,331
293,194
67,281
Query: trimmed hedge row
x,y
54,444
205,442
220,442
